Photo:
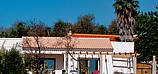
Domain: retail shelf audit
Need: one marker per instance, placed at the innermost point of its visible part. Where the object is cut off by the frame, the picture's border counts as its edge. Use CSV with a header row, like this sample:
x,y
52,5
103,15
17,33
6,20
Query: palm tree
x,y
126,11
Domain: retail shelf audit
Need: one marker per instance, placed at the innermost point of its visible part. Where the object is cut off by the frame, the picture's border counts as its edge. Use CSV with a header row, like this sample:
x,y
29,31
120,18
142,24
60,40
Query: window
x,y
48,64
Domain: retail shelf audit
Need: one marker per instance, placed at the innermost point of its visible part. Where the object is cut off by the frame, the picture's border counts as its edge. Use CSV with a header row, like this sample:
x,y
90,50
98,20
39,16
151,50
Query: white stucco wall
x,y
123,47
59,60
125,64
74,64
11,42
104,67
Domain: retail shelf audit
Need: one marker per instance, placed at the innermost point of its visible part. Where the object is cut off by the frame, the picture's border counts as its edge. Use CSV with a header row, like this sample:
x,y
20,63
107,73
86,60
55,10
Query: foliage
x,y
21,30
12,62
85,24
13,34
60,29
36,28
113,29
29,62
1,65
101,29
17,31
146,31
126,11
48,31
2,57
2,29
30,28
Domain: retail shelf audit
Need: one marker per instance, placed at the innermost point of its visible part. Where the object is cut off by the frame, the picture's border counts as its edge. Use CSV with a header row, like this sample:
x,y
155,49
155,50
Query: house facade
x,y
82,53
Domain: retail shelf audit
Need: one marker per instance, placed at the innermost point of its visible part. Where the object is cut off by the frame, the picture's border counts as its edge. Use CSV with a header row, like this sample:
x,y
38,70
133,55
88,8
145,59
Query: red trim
x,y
111,37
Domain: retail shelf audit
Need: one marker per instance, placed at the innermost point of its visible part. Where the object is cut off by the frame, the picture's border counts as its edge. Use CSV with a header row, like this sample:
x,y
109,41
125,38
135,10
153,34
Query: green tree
x,y
2,29
30,62
13,34
113,28
13,63
126,12
16,31
48,31
36,28
101,29
1,64
2,58
146,31
85,24
60,28
21,30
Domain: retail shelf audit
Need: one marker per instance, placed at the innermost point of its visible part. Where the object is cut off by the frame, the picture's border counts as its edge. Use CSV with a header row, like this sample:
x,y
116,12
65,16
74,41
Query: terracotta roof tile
x,y
101,44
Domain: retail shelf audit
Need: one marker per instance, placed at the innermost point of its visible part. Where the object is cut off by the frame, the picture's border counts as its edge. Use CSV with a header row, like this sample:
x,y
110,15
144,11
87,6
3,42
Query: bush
x,y
12,62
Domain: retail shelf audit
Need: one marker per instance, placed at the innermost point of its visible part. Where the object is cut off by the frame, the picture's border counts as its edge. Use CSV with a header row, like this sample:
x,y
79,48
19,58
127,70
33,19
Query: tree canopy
x,y
85,24
60,28
101,29
113,28
12,62
146,31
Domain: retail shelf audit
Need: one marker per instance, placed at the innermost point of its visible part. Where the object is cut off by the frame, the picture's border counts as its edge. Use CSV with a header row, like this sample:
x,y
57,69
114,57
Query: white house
x,y
88,53
122,59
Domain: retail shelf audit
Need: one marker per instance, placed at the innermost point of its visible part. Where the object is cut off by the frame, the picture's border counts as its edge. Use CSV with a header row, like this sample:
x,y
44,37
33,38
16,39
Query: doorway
x,y
89,66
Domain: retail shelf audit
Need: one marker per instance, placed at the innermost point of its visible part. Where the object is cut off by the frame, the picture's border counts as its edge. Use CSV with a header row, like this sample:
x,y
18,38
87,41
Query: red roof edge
x,y
111,37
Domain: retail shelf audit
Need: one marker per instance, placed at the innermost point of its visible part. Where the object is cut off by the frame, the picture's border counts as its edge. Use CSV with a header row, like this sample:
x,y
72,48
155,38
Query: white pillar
x,y
104,65
101,64
69,64
75,62
109,64
64,61
134,64
154,65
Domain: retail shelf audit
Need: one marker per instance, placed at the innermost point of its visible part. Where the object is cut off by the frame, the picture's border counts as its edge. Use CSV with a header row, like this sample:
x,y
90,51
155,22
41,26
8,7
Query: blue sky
x,y
50,11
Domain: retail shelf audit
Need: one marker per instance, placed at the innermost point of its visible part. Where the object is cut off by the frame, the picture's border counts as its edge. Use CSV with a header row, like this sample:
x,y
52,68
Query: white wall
x,y
125,64
10,42
123,47
103,68
59,60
